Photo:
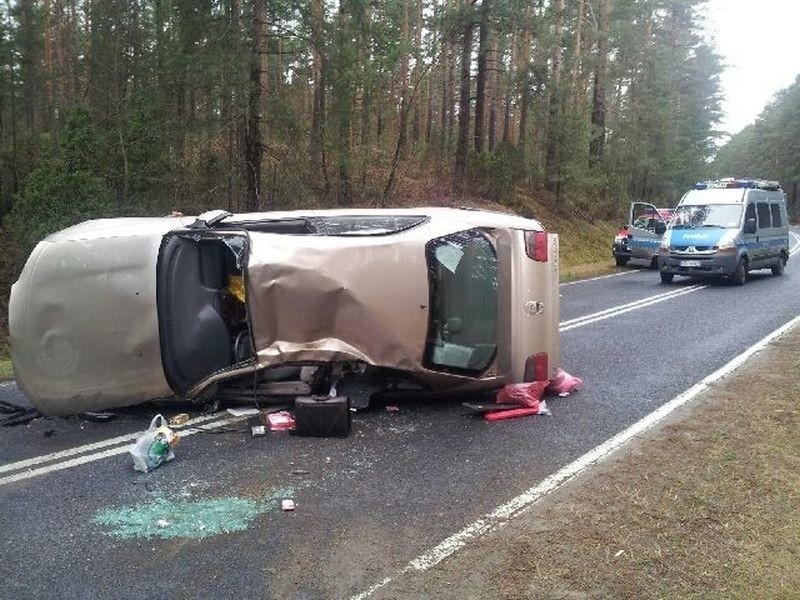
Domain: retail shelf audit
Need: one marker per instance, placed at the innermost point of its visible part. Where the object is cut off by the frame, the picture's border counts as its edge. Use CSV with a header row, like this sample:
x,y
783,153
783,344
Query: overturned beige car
x,y
356,302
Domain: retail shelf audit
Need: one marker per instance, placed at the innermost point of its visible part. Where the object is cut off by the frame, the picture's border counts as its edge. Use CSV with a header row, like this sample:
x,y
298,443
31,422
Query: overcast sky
x,y
758,41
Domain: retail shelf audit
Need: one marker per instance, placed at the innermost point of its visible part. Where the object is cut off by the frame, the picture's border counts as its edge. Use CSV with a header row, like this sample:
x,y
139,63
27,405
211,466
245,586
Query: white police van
x,y
726,228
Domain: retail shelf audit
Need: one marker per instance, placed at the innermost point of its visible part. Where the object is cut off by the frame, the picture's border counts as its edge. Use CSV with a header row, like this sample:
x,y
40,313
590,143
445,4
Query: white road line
x,y
614,309
600,277
796,247
37,460
82,460
504,513
607,315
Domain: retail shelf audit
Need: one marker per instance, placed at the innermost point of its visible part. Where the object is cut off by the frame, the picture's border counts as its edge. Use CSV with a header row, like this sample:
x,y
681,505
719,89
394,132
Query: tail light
x,y
536,245
536,368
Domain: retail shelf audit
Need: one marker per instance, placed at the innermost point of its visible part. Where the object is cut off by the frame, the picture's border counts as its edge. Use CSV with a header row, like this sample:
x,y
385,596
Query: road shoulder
x,y
707,503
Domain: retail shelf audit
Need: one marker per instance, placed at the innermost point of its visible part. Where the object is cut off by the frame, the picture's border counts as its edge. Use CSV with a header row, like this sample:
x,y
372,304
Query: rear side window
x,y
764,219
776,215
462,331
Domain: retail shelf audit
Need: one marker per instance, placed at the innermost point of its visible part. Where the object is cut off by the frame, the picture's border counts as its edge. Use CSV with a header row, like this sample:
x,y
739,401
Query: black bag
x,y
322,416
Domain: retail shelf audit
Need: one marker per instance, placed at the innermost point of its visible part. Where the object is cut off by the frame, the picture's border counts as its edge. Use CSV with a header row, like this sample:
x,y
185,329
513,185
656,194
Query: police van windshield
x,y
706,215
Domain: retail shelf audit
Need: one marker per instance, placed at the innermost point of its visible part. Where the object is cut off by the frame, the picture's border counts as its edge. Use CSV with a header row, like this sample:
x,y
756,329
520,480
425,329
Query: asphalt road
x,y
82,524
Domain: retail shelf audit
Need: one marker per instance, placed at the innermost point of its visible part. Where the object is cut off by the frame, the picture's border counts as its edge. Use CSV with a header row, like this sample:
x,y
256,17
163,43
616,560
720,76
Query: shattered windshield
x,y
706,215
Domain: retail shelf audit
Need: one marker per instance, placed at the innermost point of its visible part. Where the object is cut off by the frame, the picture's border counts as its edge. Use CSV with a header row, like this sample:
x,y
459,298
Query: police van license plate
x,y
690,263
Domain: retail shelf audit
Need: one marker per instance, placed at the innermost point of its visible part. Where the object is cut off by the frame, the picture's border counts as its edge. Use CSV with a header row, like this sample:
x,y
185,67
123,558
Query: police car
x,y
640,238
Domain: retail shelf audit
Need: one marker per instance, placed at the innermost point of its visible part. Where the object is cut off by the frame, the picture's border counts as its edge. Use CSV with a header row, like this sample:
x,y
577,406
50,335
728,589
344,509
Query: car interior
x,y
202,314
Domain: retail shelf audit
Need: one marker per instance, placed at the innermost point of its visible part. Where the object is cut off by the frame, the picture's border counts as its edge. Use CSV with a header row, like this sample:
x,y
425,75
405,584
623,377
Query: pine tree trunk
x,y
524,76
597,143
480,95
460,171
417,71
551,166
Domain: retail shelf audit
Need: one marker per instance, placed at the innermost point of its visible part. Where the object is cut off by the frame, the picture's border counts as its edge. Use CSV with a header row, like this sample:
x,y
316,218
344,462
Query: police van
x,y
726,228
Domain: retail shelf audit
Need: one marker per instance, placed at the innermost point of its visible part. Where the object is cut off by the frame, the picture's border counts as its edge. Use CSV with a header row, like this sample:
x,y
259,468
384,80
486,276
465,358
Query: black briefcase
x,y
322,416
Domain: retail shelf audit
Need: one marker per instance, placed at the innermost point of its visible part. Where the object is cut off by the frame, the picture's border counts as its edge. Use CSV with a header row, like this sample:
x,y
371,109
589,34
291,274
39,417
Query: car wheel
x,y
778,268
667,277
621,260
740,274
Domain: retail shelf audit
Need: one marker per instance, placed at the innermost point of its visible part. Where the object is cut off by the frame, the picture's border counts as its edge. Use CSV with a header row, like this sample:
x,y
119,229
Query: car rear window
x,y
462,331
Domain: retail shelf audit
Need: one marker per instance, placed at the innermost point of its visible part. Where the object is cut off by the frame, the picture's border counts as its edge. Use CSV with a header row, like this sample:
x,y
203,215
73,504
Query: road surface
x,y
77,522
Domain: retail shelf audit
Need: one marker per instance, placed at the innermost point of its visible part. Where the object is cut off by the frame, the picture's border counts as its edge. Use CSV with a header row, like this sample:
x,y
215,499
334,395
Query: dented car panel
x,y
434,299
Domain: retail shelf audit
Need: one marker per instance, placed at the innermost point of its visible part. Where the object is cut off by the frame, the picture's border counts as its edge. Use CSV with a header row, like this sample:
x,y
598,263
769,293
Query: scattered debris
x,y
513,413
522,394
287,505
323,416
243,412
258,430
17,415
178,420
49,432
300,472
392,408
162,523
98,416
564,384
282,420
155,446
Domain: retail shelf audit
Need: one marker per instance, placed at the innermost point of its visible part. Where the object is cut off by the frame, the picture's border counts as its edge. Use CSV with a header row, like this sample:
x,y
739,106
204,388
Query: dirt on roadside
x,y
705,506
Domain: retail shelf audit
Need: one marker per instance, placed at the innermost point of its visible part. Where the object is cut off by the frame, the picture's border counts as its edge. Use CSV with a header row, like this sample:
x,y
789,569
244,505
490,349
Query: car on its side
x,y
640,237
727,228
356,302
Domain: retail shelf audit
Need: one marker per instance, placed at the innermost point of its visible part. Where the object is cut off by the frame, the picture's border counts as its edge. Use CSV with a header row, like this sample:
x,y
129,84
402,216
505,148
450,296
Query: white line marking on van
x,y
625,308
601,277
504,513
37,460
82,460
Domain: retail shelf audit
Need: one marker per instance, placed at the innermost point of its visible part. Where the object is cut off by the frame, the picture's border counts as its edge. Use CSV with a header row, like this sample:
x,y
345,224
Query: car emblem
x,y
691,249
533,307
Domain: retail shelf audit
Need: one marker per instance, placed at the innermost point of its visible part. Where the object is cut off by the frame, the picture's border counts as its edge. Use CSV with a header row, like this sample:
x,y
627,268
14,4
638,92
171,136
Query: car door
x,y
643,240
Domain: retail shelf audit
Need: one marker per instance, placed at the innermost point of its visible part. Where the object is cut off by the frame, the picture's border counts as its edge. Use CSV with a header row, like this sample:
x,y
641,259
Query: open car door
x,y
645,228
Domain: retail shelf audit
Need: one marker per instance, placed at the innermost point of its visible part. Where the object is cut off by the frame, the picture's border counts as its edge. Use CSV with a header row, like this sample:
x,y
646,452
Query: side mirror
x,y
750,225
660,228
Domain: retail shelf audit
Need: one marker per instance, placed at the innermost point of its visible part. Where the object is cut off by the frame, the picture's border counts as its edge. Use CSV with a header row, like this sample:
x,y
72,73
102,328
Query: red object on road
x,y
523,394
513,413
564,384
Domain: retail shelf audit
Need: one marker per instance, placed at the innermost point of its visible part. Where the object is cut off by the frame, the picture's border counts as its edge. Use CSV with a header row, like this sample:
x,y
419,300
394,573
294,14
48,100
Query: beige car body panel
x,y
311,299
82,317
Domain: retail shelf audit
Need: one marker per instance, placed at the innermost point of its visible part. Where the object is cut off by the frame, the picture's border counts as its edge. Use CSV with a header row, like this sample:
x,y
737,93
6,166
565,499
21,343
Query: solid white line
x,y
82,460
796,247
614,309
600,277
587,320
37,460
514,507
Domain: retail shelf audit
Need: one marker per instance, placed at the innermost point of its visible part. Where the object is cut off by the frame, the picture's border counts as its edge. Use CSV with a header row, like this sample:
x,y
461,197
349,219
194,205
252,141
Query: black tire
x,y
621,260
740,274
654,262
667,277
778,268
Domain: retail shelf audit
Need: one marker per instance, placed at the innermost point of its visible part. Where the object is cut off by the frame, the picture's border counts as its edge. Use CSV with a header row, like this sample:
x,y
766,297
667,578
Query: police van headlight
x,y
727,243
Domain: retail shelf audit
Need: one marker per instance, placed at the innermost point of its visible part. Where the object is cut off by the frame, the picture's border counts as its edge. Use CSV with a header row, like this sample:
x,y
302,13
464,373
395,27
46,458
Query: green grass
x,y
6,370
